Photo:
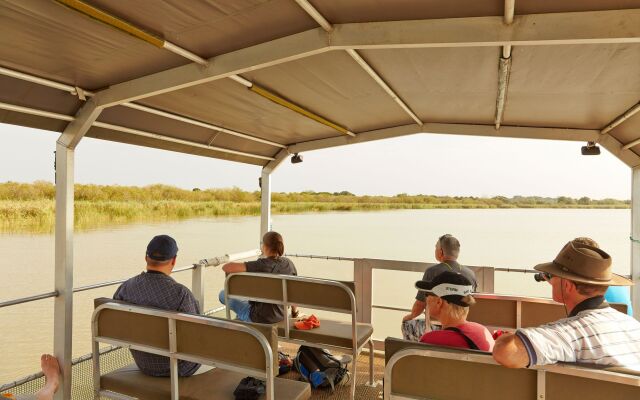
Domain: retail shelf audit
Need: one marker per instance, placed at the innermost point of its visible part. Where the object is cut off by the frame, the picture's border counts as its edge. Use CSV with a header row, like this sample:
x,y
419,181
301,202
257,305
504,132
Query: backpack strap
x,y
466,338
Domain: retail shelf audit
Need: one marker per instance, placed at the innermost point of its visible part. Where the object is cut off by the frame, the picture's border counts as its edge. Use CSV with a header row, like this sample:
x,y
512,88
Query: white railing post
x,y
635,246
197,284
265,203
363,278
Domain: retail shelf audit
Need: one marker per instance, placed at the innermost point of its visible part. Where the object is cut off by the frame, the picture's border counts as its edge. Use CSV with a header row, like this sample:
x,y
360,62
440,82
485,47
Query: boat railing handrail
x,y
339,258
198,281
204,263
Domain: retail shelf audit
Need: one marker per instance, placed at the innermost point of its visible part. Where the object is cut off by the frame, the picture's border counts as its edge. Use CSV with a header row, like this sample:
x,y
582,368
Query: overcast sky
x,y
419,164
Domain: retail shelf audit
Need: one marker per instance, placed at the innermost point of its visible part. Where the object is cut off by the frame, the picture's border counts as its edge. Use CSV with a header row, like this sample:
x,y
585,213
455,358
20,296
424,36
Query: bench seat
x,y
330,332
214,384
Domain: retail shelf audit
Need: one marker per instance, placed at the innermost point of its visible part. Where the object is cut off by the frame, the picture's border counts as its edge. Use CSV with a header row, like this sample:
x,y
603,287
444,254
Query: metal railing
x,y
197,279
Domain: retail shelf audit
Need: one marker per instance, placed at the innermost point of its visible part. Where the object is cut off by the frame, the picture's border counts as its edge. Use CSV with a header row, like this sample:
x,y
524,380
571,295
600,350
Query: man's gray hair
x,y
450,245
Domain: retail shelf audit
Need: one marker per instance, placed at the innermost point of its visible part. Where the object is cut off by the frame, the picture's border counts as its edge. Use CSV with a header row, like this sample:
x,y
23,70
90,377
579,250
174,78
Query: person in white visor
x,y
448,301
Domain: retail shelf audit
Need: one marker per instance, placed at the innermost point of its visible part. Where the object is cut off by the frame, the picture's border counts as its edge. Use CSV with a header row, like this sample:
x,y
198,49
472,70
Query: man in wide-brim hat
x,y
592,333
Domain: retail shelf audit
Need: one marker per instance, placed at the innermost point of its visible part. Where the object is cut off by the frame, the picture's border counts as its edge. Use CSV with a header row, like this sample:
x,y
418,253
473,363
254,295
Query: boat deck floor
x,y
363,390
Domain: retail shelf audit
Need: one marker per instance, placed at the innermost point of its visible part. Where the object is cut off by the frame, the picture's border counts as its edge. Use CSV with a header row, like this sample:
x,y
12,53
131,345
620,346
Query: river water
x,y
499,238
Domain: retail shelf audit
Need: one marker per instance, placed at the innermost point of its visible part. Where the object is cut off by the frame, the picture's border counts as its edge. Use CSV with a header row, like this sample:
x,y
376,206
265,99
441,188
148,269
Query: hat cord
x,y
564,304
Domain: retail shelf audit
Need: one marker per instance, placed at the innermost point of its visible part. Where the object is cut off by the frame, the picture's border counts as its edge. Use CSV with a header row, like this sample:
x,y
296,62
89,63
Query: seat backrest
x,y
425,371
513,312
306,292
219,341
605,385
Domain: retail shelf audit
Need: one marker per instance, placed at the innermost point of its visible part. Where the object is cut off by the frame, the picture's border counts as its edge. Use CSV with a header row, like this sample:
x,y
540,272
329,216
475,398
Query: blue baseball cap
x,y
162,248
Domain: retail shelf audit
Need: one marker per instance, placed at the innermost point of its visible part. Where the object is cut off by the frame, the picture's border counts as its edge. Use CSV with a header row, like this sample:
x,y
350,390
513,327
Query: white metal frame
x,y
136,132
355,349
76,91
635,244
268,374
63,284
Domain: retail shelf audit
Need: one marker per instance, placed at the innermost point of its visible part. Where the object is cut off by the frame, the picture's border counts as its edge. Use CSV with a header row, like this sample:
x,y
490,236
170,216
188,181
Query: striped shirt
x,y
155,289
598,334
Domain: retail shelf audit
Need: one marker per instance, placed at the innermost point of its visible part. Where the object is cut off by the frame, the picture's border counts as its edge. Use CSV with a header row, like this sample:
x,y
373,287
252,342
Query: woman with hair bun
x,y
271,262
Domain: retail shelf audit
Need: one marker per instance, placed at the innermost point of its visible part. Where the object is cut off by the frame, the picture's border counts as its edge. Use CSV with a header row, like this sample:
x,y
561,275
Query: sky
x,y
419,164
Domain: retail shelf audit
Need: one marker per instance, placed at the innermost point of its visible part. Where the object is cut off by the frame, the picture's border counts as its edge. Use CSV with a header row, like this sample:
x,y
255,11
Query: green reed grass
x,y
31,207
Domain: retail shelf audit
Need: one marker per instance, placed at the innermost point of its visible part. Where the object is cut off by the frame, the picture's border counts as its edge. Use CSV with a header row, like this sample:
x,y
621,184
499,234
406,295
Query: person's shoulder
x,y
436,268
286,261
181,288
470,326
467,269
133,280
613,314
473,325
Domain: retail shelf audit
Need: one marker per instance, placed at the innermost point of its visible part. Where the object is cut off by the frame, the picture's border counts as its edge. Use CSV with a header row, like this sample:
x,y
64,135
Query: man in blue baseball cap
x,y
156,288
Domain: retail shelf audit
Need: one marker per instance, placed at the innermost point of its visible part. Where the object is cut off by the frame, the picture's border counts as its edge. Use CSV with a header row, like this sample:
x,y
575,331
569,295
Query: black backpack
x,y
249,388
320,368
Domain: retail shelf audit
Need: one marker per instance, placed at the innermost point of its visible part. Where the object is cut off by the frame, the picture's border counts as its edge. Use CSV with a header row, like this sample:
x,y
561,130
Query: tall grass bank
x,y
31,207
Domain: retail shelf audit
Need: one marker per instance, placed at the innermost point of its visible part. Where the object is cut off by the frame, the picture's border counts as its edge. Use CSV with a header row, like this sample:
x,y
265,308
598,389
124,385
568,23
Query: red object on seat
x,y
308,323
497,333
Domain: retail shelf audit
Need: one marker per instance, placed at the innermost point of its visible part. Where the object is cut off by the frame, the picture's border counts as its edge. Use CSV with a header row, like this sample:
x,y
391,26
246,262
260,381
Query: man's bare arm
x,y
510,351
417,309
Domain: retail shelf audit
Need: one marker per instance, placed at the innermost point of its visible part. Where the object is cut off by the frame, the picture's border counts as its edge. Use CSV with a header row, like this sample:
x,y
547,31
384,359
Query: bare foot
x,y
51,370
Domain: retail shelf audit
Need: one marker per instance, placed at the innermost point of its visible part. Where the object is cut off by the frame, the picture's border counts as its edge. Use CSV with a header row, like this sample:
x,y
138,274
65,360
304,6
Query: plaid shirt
x,y
155,289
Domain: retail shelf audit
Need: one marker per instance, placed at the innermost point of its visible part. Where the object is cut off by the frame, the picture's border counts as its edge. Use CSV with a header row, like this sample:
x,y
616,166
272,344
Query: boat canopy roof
x,y
255,80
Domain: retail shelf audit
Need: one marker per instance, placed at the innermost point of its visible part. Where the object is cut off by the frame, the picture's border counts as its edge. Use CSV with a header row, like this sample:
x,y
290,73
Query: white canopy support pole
x,y
635,246
63,303
265,203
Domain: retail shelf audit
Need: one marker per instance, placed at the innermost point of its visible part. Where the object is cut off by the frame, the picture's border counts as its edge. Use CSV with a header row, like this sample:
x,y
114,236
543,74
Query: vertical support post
x,y
363,278
63,303
265,203
635,246
541,385
485,277
173,361
197,284
488,280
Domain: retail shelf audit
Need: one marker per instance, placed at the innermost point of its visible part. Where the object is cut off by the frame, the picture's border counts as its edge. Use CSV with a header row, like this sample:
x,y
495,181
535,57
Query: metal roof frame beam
x,y
65,139
263,55
452,129
616,148
74,90
277,160
519,132
586,27
81,123
618,26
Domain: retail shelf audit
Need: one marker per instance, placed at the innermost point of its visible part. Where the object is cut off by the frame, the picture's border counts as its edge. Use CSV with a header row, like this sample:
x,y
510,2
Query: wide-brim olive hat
x,y
580,262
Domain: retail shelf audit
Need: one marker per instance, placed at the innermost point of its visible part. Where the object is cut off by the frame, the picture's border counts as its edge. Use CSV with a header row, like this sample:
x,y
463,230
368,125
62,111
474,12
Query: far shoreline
x,y
30,207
